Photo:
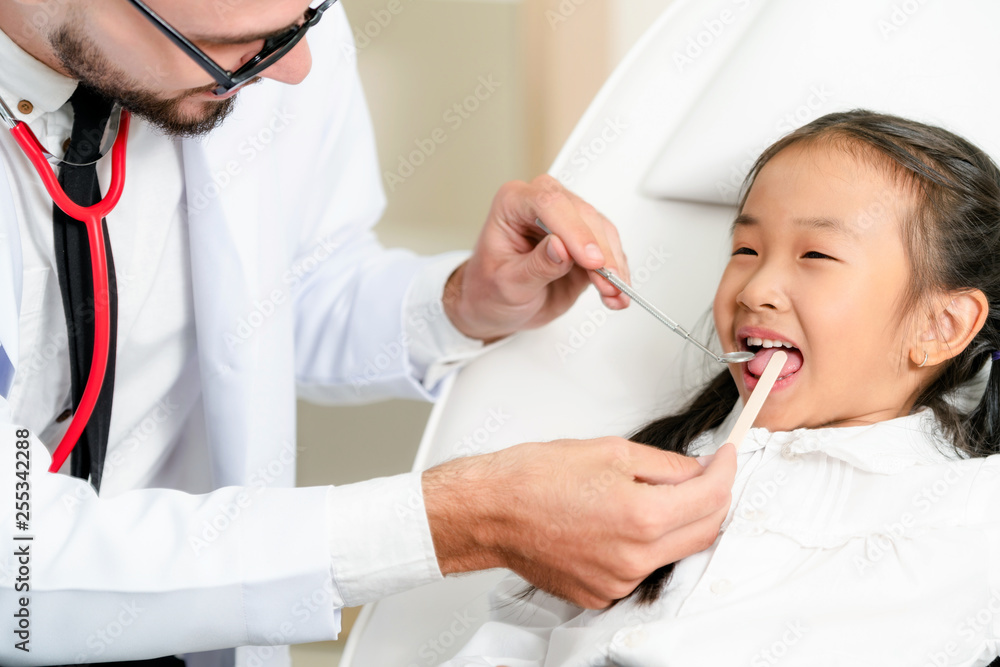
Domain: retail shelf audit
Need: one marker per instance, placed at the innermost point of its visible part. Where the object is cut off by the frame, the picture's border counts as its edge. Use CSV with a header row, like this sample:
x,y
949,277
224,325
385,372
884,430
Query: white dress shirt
x,y
868,545
164,435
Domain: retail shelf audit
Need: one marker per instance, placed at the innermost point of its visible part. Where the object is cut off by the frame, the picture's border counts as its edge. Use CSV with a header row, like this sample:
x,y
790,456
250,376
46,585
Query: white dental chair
x,y
709,86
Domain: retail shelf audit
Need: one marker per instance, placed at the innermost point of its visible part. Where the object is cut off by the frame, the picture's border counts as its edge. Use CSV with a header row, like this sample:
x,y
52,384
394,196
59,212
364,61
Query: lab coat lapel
x,y
10,285
223,239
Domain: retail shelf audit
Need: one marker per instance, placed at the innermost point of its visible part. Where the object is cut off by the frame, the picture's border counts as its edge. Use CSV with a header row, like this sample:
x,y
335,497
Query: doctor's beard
x,y
81,57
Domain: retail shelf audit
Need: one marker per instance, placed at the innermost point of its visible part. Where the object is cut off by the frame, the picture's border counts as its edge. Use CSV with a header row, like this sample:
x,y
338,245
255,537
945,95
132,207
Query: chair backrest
x,y
662,152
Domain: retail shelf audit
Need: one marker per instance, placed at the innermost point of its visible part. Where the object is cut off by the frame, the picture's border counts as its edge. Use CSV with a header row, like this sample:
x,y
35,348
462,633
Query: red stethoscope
x,y
91,217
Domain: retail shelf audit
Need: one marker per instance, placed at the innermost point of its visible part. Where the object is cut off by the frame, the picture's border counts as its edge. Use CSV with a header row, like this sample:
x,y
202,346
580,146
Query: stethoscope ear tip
x,y
107,139
7,116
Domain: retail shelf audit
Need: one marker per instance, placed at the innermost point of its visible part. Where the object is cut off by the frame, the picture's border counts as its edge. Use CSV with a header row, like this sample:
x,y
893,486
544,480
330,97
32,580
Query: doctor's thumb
x,y
548,260
554,249
727,450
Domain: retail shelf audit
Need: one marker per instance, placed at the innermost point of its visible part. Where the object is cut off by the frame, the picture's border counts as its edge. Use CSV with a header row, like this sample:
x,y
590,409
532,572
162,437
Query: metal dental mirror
x,y
727,358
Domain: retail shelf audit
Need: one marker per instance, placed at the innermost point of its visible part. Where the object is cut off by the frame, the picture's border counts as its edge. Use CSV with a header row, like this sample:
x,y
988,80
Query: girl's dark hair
x,y
952,239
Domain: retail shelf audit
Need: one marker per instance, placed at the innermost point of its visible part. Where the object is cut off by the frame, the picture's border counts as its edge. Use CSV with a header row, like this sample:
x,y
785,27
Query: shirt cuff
x,y
435,347
380,539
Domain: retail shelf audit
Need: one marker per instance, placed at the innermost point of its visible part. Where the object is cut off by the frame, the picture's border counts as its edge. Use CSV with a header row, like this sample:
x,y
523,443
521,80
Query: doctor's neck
x,y
25,24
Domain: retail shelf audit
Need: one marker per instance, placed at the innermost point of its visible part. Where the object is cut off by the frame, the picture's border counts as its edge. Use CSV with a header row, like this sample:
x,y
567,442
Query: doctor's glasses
x,y
275,46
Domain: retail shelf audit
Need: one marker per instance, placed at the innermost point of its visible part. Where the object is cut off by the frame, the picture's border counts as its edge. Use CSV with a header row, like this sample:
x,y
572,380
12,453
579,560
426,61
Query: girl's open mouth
x,y
764,349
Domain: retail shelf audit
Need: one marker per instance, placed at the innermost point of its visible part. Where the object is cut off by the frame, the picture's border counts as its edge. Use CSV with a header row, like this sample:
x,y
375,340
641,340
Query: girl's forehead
x,y
835,188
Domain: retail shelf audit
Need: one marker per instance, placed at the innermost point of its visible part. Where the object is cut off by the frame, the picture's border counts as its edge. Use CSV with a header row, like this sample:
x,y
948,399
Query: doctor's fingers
x,y
578,225
667,508
688,540
655,466
546,264
633,563
610,294
643,551
626,561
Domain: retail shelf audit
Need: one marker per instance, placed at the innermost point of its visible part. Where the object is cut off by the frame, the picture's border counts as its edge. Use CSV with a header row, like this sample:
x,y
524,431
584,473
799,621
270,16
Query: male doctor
x,y
247,274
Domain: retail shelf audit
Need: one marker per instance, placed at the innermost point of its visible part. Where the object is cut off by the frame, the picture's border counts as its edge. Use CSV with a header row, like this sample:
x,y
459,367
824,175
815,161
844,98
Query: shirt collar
x,y
23,78
886,447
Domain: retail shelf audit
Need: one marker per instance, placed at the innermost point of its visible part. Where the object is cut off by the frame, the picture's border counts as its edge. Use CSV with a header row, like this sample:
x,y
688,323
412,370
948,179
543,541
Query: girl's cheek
x,y
719,311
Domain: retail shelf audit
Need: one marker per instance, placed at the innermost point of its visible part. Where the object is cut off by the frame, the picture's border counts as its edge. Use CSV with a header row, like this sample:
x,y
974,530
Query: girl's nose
x,y
763,291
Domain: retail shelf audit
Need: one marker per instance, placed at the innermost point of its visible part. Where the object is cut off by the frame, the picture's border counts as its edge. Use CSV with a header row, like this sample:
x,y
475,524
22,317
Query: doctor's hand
x,y
585,520
520,278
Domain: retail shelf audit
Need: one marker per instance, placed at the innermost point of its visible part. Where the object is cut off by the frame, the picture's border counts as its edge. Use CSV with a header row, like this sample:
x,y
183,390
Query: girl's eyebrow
x,y
815,222
743,220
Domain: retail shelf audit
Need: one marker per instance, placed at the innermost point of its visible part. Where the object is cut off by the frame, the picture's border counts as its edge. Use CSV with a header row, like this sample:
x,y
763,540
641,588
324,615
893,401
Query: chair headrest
x,y
791,61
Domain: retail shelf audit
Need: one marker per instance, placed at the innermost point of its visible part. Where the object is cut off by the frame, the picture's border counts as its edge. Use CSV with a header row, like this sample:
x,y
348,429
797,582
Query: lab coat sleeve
x,y
397,552
518,630
154,572
374,327
436,347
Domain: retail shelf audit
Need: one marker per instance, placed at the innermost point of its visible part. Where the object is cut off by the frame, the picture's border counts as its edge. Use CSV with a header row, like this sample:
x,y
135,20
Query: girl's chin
x,y
777,413
774,421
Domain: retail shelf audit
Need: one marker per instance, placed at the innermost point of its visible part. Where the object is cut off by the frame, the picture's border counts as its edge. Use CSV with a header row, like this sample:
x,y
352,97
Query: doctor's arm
x,y
586,520
154,572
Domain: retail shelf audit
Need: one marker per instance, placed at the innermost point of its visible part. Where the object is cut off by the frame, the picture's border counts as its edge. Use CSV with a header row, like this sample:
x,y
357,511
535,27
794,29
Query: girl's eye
x,y
744,251
816,255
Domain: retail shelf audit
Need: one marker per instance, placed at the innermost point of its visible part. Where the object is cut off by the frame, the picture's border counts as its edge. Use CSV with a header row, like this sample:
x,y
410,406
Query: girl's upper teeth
x,y
767,342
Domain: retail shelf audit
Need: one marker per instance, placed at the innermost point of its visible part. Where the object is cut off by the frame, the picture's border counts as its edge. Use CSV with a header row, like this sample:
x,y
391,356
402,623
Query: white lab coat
x,y
311,182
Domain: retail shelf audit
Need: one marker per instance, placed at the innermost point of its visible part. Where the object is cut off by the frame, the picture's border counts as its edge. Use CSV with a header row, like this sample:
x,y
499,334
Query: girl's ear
x,y
955,320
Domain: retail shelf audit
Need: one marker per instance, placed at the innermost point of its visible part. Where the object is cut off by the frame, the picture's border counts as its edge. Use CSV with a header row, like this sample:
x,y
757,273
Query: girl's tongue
x,y
792,364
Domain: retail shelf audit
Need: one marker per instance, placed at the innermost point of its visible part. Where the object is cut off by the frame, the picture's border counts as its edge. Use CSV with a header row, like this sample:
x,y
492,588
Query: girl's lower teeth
x,y
779,379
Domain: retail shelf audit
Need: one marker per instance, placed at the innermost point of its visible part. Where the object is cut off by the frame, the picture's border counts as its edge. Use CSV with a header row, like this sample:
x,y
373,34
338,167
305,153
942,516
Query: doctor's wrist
x,y
463,514
457,307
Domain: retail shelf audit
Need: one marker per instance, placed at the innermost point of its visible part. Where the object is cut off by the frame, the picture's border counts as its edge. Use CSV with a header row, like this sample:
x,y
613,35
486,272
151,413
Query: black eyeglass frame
x,y
274,49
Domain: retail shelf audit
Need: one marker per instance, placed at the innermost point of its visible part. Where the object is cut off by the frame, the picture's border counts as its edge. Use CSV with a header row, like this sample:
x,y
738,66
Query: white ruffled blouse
x,y
867,545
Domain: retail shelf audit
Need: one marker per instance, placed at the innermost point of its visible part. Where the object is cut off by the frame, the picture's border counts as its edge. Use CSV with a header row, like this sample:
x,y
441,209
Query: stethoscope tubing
x,y
91,217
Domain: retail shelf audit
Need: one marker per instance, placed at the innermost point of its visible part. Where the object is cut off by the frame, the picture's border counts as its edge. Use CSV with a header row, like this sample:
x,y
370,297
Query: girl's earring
x,y
924,361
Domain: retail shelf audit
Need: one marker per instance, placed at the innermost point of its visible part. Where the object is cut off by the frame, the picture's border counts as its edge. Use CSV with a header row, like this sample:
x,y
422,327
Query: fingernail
x,y
705,460
594,252
551,252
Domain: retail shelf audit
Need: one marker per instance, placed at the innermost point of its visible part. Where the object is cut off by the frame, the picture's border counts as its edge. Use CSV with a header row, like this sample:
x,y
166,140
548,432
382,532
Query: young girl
x,y
865,519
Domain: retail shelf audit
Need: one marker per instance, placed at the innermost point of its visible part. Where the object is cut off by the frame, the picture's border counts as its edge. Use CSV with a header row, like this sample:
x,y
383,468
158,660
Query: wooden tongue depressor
x,y
757,397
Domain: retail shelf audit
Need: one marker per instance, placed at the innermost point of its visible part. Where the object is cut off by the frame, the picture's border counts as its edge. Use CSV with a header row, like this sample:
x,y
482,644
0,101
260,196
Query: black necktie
x,y
72,253
76,282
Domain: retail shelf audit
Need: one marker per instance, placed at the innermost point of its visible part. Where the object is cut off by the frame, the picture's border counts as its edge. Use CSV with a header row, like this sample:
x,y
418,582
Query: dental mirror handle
x,y
655,312
730,358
